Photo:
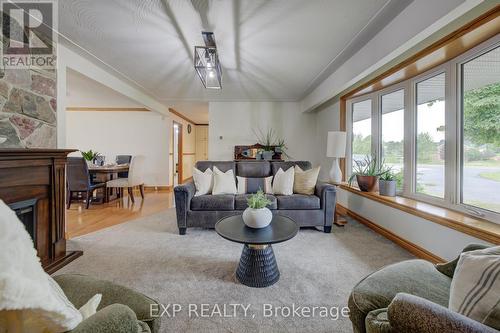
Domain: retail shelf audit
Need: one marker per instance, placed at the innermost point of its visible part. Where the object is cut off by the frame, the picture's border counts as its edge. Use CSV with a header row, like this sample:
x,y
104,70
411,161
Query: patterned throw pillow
x,y
475,288
252,185
305,181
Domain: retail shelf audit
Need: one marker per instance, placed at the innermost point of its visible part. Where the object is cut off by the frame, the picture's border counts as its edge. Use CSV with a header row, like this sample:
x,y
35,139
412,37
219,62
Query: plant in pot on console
x,y
387,183
366,173
267,142
257,215
90,156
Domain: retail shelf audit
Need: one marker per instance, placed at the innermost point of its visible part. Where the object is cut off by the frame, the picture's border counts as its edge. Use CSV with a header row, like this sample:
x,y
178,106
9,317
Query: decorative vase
x,y
257,218
387,187
268,155
366,183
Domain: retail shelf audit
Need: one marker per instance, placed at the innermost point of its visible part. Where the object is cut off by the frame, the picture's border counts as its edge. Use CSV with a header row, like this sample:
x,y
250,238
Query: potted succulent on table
x,y
387,183
366,173
90,156
257,215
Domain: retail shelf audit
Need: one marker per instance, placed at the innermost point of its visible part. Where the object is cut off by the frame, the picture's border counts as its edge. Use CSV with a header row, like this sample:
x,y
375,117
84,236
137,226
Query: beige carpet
x,y
317,269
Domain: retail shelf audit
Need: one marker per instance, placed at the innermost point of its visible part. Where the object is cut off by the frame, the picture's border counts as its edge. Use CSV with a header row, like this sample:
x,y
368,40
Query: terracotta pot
x,y
367,183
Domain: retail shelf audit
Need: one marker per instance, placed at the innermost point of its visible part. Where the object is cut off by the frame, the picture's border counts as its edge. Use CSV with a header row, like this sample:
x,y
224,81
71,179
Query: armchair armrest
x,y
412,314
327,194
80,288
115,318
183,195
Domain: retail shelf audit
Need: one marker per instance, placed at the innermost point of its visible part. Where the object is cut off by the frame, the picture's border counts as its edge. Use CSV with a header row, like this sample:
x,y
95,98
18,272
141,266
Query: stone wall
x,y
27,102
27,109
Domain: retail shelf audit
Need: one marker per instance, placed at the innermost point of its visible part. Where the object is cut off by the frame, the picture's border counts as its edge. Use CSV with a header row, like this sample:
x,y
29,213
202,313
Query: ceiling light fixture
x,y
206,62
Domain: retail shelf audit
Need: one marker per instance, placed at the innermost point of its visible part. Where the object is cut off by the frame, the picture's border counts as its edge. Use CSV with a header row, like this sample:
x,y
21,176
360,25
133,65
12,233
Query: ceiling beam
x,y
180,115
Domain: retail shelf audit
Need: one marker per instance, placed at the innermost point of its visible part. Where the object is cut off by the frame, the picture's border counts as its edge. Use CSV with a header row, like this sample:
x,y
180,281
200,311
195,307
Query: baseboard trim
x,y
405,244
158,188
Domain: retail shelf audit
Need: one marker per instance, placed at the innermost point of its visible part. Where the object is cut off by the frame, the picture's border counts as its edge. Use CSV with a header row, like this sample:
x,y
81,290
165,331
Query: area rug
x,y
195,273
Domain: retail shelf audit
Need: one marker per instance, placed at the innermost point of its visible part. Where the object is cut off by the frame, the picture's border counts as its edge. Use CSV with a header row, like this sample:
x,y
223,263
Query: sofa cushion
x,y
253,169
221,165
275,166
240,201
298,201
213,202
252,185
376,291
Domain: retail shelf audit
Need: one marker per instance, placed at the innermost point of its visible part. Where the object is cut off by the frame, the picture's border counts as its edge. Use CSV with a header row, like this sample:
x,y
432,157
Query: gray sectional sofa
x,y
204,211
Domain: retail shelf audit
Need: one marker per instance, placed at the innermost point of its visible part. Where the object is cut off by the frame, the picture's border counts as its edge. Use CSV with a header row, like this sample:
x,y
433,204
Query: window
x,y
480,97
361,130
392,106
430,133
439,132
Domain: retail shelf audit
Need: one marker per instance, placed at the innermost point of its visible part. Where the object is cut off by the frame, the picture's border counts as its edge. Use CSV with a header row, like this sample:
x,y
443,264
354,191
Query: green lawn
x,y
491,175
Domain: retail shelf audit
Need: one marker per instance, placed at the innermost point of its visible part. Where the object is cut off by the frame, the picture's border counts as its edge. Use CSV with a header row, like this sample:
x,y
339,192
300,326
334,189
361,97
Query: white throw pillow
x,y
475,288
29,297
90,308
203,181
283,181
224,182
305,181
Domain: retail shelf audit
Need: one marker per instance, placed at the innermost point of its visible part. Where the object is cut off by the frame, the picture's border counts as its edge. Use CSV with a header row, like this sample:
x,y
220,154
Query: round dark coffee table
x,y
257,267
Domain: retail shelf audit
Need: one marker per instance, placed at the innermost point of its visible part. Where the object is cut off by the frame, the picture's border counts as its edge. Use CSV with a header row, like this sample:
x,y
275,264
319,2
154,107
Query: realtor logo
x,y
28,30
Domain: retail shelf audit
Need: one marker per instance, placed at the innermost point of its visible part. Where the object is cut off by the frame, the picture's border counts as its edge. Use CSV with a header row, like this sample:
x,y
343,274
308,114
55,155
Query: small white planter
x,y
257,218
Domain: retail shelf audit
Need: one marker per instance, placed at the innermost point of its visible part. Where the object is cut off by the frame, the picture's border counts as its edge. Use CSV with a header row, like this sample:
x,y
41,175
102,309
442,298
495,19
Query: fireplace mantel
x,y
40,174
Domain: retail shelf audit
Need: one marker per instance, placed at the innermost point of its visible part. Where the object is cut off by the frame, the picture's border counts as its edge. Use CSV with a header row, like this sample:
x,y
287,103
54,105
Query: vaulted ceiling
x,y
269,50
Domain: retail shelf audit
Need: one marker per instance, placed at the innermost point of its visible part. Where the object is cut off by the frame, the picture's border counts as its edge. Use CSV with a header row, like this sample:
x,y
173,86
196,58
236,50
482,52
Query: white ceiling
x,y
269,50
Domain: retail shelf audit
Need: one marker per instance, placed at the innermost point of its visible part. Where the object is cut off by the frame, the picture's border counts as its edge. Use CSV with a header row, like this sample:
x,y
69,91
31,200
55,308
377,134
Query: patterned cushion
x,y
475,288
252,185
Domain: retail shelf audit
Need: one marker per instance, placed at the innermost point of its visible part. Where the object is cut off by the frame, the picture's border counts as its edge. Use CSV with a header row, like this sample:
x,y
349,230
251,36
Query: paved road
x,y
476,188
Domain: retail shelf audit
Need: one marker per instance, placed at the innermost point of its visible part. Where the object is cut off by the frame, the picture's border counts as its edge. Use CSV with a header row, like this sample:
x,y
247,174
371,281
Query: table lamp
x,y
336,148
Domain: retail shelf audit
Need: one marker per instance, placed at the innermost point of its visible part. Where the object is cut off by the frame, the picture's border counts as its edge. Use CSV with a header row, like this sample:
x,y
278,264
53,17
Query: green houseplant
x,y
387,183
366,173
257,215
266,140
90,155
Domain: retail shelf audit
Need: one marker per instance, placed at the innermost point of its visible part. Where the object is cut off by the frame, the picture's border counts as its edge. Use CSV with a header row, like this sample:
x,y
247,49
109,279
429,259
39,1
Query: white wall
x,y
236,122
129,133
439,240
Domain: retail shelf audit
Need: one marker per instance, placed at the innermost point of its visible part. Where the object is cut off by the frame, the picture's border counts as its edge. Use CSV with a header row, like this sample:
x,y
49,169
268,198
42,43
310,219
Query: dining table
x,y
105,173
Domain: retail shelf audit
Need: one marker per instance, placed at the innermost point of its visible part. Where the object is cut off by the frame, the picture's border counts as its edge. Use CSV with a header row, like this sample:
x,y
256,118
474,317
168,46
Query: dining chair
x,y
123,159
78,180
135,178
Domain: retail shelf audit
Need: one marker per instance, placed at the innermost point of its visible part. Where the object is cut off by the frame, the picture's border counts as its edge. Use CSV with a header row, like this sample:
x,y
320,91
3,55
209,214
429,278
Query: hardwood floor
x,y
81,221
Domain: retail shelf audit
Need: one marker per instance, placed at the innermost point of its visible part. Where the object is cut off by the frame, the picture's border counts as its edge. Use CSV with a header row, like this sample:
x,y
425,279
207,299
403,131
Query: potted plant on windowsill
x,y
387,183
366,173
257,215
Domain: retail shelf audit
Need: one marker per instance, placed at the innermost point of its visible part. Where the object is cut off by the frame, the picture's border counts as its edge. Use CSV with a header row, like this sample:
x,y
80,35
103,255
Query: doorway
x,y
177,153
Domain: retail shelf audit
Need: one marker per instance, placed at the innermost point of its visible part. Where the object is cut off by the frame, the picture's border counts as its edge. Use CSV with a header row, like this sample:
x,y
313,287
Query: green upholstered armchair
x,y
121,310
410,296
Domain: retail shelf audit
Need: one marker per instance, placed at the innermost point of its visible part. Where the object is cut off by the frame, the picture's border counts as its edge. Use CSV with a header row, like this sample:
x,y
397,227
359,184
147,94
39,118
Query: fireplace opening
x,y
26,212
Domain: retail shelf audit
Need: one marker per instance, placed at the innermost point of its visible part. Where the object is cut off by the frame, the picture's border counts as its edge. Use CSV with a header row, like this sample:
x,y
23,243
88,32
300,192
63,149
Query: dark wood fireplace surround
x,y
40,174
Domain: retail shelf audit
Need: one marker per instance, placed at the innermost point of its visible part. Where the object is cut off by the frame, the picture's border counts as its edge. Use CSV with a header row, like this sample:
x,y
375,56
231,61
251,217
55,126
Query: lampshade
x,y
336,144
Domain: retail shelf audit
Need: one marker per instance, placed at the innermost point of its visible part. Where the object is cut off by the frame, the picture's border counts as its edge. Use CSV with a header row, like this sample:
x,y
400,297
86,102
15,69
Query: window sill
x,y
467,224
